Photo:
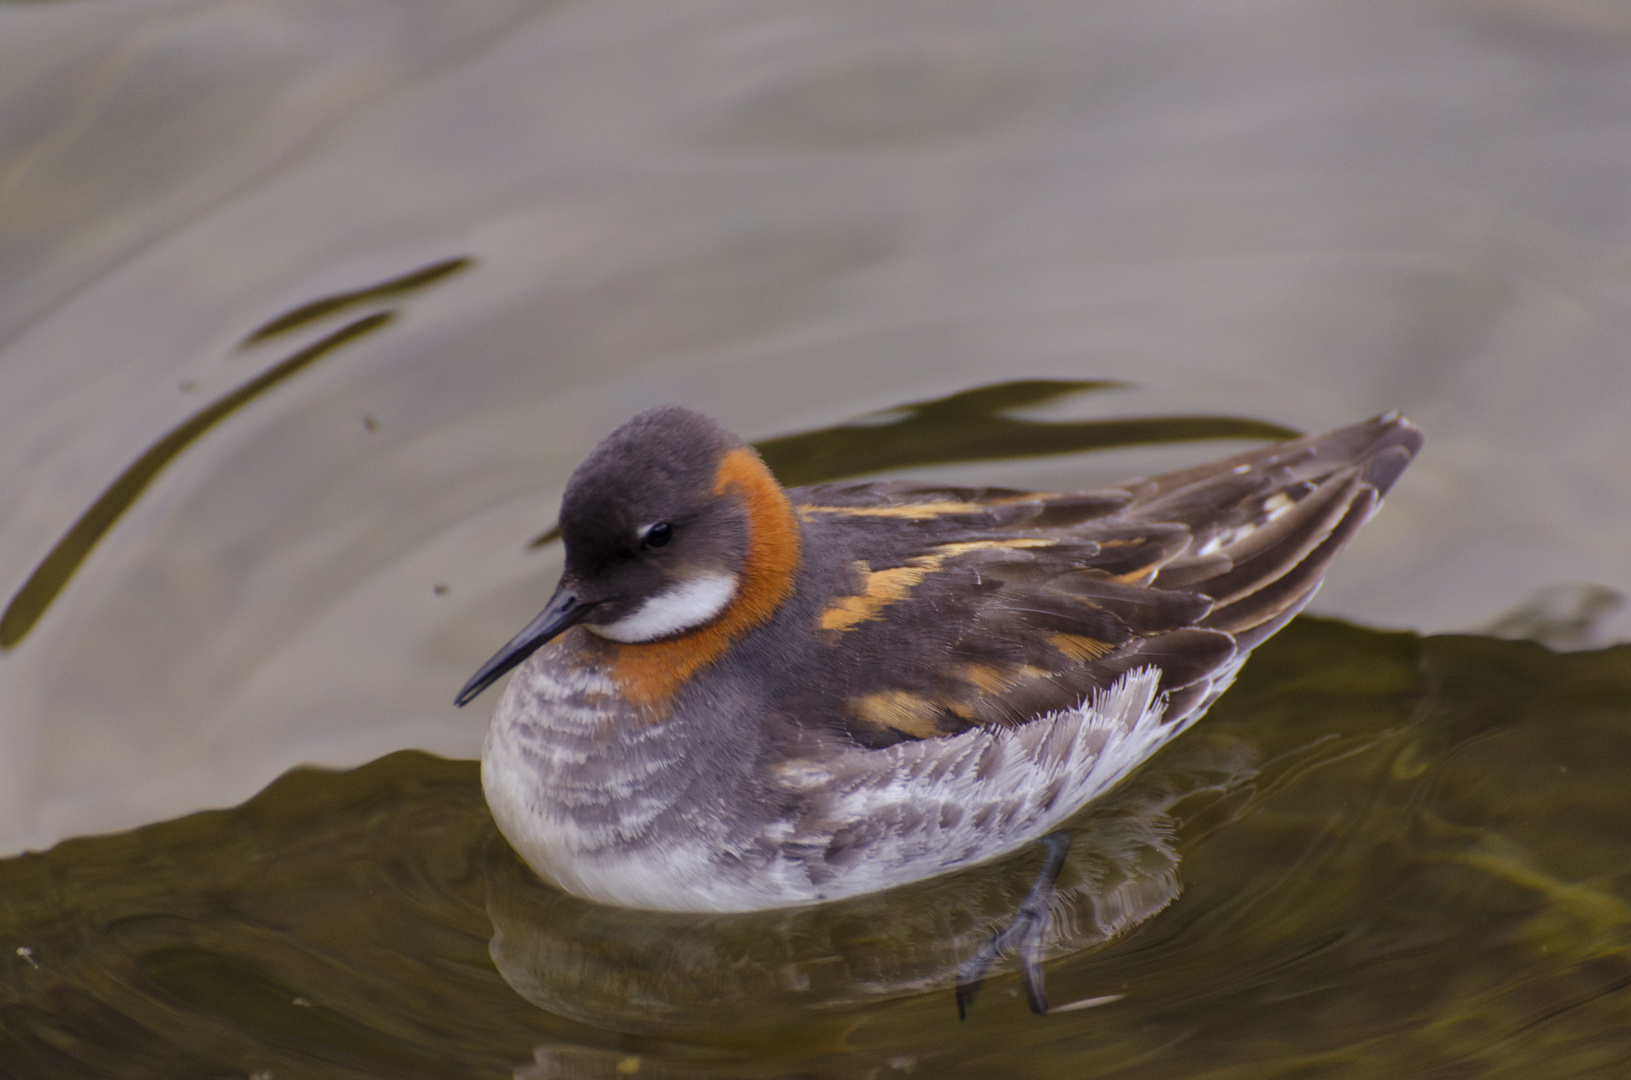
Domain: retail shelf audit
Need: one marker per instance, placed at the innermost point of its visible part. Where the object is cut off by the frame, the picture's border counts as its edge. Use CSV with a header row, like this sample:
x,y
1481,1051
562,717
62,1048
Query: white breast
x,y
602,809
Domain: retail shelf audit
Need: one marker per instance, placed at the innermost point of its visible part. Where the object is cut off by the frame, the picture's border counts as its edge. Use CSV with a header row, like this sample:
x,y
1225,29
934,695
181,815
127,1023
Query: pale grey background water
x,y
785,214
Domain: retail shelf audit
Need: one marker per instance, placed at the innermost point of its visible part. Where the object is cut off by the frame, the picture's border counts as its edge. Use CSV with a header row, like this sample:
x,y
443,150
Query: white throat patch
x,y
689,604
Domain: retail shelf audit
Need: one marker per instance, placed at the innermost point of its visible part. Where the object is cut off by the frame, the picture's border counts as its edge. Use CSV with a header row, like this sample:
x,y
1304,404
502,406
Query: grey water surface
x,y
308,307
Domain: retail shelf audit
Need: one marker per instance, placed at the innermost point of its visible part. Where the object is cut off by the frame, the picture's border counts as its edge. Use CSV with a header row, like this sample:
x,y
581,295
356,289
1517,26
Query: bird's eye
x,y
655,536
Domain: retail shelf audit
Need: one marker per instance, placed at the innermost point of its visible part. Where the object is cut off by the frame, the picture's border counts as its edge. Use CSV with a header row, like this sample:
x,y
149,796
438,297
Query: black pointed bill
x,y
564,609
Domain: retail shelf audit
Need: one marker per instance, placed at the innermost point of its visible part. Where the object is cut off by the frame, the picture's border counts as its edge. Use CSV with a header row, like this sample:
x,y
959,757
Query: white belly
x,y
613,821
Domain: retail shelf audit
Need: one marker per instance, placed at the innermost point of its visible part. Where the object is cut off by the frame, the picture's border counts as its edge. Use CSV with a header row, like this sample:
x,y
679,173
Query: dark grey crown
x,y
652,468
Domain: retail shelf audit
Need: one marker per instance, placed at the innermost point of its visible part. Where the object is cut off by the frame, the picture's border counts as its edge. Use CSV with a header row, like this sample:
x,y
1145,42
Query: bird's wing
x,y
984,607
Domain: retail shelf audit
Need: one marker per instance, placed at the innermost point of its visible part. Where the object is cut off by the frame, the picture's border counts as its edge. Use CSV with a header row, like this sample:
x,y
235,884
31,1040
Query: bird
x,y
743,697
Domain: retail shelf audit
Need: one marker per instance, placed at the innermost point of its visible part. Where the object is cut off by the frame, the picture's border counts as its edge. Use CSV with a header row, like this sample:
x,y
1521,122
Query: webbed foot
x,y
1024,936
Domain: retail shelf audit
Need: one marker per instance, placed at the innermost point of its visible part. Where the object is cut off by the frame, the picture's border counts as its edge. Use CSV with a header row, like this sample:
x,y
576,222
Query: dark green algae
x,y
1392,856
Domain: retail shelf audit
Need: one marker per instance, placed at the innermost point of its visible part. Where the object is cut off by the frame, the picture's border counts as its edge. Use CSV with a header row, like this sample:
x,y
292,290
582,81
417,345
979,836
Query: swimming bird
x,y
742,697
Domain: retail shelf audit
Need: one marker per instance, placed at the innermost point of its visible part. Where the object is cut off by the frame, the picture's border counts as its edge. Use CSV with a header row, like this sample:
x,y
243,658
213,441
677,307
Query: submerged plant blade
x,y
973,425
52,574
323,307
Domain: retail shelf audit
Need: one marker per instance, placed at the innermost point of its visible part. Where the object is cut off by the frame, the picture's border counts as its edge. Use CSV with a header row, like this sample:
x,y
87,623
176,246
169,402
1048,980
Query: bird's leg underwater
x,y
1025,935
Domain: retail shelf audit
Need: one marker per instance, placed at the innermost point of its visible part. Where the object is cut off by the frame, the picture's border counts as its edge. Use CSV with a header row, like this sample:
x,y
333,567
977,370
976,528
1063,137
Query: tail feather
x,y
1295,587
1272,549
1266,524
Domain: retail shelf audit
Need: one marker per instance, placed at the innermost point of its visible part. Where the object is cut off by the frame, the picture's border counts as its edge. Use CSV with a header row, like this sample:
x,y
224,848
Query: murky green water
x,y
1379,855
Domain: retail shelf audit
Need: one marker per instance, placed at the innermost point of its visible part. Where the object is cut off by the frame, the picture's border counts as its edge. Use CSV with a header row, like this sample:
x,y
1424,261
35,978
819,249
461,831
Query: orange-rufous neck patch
x,y
649,673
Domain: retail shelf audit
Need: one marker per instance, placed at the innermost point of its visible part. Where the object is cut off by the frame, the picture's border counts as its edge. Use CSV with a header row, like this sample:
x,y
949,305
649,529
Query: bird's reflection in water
x,y
728,981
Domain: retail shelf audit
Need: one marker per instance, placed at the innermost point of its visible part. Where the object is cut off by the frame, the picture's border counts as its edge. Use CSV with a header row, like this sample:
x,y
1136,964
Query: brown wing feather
x,y
989,607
